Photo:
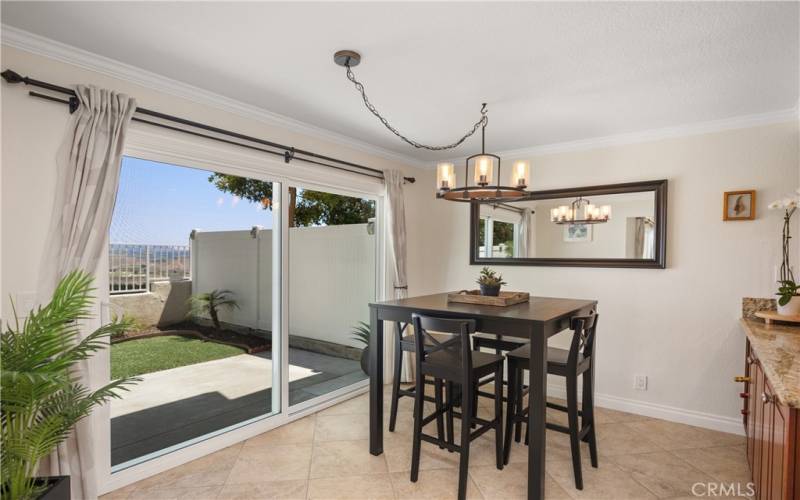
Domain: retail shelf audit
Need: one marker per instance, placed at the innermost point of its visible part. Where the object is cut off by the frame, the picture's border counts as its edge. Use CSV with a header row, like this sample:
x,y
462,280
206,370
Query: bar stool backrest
x,y
456,349
583,334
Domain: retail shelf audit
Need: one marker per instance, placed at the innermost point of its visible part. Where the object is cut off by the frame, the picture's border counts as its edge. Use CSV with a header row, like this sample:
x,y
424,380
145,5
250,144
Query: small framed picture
x,y
739,205
578,233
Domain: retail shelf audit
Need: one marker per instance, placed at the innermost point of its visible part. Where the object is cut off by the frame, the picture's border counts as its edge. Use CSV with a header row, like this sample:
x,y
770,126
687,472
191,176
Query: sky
x,y
160,204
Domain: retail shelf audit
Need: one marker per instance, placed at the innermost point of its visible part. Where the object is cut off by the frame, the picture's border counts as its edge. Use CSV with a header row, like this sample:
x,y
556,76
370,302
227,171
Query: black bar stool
x,y
578,360
500,344
403,343
454,362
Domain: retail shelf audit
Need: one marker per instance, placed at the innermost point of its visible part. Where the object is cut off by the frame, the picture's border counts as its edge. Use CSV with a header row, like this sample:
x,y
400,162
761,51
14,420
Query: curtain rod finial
x,y
410,180
12,76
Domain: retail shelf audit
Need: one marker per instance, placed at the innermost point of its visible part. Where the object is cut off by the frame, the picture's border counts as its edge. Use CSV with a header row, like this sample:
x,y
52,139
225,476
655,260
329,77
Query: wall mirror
x,y
615,225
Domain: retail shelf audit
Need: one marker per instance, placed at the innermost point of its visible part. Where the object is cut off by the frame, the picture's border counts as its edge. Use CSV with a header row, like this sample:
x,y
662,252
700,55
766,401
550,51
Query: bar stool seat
x,y
555,357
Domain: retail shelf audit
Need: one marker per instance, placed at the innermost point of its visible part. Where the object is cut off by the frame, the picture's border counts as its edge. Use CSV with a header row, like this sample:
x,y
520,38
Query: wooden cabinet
x,y
773,451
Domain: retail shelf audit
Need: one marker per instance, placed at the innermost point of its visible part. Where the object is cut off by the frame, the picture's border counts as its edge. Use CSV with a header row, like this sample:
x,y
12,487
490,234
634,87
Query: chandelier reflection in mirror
x,y
483,165
580,211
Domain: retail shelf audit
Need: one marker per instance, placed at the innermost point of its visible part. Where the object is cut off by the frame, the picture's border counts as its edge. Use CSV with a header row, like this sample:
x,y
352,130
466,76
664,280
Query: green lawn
x,y
136,357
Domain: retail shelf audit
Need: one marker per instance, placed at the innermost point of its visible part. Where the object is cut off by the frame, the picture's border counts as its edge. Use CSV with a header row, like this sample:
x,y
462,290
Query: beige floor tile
x,y
341,428
606,482
621,439
664,474
120,493
510,483
358,405
724,463
609,416
432,484
397,450
675,436
299,431
271,463
345,458
283,490
211,470
373,487
202,493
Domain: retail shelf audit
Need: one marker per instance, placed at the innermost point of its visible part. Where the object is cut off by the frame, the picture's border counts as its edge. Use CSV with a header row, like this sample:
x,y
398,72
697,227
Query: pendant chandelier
x,y
571,214
485,166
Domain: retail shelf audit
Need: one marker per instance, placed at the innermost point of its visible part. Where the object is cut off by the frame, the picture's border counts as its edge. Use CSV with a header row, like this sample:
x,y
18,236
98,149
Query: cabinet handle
x,y
744,412
741,379
744,395
766,398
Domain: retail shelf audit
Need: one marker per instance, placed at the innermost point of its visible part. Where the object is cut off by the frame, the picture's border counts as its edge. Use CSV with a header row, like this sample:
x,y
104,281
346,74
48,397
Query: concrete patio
x,y
172,406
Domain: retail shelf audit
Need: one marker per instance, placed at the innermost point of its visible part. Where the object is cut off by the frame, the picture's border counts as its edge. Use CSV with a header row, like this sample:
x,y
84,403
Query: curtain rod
x,y
288,153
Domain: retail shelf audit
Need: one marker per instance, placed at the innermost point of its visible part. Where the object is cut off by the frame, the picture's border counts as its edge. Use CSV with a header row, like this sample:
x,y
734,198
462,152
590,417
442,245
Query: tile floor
x,y
326,456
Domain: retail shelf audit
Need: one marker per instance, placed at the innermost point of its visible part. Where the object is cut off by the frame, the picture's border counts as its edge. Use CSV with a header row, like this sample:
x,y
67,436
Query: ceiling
x,y
550,72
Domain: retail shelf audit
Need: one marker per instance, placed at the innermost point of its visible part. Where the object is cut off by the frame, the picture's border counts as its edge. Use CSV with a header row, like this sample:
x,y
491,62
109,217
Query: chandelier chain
x,y
484,120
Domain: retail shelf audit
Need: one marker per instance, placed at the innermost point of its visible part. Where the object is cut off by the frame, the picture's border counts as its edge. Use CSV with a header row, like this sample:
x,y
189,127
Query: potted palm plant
x,y
361,334
42,399
490,282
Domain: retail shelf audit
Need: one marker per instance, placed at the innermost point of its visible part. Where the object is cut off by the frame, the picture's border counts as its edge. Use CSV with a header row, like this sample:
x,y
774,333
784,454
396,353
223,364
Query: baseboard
x,y
664,412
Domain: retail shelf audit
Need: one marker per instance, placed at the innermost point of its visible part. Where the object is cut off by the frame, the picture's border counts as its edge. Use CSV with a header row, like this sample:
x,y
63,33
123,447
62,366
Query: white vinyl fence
x,y
331,277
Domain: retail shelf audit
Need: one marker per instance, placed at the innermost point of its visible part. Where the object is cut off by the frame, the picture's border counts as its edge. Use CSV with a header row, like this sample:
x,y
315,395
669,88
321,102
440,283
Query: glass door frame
x,y
380,276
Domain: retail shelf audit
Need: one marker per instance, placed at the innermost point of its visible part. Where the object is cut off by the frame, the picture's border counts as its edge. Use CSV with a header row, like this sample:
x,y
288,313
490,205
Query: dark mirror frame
x,y
659,187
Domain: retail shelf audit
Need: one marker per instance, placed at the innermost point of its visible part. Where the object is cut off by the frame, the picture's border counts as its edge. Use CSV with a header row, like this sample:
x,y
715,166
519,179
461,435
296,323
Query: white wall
x,y
679,326
331,277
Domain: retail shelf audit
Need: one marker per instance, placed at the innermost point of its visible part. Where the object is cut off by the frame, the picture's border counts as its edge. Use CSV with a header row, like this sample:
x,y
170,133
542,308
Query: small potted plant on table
x,y
490,282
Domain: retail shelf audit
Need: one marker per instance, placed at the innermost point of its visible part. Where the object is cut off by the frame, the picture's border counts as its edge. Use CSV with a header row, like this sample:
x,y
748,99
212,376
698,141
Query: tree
x,y
308,208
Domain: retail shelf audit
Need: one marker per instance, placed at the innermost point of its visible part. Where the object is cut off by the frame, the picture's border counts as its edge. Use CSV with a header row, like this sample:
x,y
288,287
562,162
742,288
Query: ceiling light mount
x,y
347,58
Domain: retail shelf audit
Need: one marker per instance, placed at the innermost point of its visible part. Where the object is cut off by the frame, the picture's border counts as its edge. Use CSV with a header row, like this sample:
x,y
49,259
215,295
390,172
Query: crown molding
x,y
36,44
736,122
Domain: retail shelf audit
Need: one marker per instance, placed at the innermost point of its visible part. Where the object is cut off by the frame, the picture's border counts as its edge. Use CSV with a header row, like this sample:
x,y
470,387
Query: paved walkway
x,y
172,406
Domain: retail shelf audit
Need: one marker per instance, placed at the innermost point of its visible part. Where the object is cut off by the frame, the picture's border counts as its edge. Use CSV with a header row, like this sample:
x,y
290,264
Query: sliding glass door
x,y
332,277
247,299
194,266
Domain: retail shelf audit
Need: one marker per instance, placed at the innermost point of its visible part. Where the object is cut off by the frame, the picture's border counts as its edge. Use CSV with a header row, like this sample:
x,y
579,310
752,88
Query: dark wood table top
x,y
538,309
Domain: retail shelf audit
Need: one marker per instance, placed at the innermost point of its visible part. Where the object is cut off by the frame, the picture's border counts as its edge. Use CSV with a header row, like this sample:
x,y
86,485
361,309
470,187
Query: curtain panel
x,y
396,223
88,172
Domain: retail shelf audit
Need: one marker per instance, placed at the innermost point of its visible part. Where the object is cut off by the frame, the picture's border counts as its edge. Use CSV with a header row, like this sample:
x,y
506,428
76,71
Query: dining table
x,y
537,320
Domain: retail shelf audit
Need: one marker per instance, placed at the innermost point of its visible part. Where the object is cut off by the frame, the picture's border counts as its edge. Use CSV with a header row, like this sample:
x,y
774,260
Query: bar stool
x,y
578,360
403,343
500,344
455,363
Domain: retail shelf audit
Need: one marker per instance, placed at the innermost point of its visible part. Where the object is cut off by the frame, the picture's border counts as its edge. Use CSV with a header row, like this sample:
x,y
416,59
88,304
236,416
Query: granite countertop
x,y
777,347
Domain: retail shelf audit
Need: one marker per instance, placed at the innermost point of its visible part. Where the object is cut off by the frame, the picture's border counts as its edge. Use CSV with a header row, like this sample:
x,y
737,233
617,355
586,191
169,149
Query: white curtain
x,y
88,171
396,222
524,232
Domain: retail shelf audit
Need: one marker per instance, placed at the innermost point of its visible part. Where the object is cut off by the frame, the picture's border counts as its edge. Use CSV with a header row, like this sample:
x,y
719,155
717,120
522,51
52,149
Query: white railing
x,y
132,267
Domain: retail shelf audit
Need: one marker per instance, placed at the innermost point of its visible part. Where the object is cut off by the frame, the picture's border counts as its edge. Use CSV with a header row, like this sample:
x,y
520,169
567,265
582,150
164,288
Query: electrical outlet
x,y
640,382
24,302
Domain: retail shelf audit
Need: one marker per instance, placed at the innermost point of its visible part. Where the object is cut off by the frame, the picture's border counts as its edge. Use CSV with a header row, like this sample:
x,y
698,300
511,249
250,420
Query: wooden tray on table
x,y
474,297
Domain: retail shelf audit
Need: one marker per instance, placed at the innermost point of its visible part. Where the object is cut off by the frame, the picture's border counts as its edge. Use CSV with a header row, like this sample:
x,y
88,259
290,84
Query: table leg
x,y
537,400
375,383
